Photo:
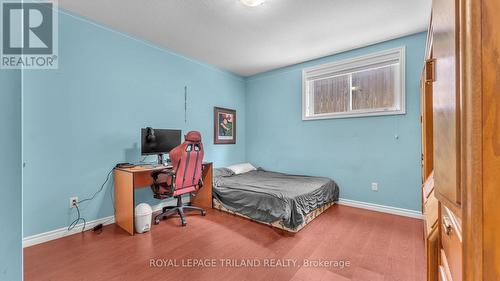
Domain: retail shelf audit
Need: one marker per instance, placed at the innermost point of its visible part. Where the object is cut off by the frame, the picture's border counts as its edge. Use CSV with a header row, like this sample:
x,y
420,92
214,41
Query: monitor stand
x,y
160,159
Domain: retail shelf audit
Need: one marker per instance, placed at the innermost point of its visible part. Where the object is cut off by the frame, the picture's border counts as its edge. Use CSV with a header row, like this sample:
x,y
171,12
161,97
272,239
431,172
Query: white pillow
x,y
241,168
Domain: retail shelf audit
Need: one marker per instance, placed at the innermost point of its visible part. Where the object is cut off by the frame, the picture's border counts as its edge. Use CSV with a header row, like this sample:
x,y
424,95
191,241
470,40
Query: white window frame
x,y
349,66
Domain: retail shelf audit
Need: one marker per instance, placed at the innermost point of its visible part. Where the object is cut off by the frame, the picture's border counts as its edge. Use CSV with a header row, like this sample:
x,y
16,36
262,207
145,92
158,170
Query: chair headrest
x,y
194,136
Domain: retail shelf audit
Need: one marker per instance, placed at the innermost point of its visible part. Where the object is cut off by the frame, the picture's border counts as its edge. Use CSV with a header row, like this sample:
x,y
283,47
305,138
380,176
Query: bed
x,y
287,202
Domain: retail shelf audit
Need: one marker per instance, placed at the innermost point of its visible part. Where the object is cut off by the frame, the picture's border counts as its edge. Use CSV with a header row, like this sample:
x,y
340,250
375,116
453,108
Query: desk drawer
x,y
451,240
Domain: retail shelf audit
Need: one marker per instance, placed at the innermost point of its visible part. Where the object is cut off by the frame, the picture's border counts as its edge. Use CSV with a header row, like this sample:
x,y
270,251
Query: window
x,y
364,86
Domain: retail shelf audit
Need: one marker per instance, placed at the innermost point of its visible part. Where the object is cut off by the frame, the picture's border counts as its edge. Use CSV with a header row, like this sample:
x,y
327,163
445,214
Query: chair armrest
x,y
155,174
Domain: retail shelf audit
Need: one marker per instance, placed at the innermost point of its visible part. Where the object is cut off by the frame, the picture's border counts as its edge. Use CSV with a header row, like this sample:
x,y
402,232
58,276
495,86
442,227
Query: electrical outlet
x,y
374,186
73,201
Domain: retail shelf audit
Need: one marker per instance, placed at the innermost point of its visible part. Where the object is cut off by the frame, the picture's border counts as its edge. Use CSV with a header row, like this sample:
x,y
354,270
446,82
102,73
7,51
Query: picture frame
x,y
224,125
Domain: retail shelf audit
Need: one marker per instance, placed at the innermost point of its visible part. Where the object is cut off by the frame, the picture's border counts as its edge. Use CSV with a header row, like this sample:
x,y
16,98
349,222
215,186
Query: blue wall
x,y
10,167
82,119
353,151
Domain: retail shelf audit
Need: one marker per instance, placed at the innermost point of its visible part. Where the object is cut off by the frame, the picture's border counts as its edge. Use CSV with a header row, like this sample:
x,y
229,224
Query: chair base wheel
x,y
180,209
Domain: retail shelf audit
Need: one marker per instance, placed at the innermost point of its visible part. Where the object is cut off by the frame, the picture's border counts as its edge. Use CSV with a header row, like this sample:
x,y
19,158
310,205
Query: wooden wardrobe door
x,y
446,103
491,138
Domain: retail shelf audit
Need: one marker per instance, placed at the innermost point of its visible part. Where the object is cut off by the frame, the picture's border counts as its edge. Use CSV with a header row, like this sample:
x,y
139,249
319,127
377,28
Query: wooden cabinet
x,y
447,133
430,205
446,102
463,67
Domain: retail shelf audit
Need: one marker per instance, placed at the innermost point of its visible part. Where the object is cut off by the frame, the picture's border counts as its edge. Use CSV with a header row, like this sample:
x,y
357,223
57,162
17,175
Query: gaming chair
x,y
183,178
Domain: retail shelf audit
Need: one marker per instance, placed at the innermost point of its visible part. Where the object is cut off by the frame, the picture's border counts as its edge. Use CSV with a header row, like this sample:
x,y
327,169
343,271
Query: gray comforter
x,y
269,196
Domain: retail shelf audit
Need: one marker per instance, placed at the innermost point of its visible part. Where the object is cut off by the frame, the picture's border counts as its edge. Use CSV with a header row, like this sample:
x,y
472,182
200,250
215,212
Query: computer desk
x,y
128,179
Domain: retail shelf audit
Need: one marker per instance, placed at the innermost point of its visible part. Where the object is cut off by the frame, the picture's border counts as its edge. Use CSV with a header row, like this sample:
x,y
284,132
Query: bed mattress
x,y
270,196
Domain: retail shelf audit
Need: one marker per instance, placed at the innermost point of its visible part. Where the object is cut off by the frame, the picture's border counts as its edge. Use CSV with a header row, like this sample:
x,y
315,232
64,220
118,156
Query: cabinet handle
x,y
447,225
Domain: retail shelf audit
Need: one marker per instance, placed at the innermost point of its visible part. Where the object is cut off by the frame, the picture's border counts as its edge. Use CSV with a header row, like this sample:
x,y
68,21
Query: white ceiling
x,y
248,40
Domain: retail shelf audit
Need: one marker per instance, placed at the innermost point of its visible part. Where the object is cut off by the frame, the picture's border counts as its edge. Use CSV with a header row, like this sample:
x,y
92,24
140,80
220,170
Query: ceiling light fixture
x,y
252,3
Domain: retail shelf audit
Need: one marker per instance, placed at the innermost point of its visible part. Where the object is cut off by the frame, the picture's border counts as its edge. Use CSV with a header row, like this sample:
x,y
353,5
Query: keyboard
x,y
154,166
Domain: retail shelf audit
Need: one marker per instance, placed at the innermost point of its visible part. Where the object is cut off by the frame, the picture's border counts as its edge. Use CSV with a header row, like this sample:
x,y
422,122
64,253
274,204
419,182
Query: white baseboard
x,y
381,208
63,232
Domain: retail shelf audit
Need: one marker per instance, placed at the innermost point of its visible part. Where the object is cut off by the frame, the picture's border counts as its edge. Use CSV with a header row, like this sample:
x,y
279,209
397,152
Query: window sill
x,y
352,115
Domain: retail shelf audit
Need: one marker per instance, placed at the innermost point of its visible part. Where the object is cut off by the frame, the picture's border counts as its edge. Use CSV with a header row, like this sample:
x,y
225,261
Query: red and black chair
x,y
183,178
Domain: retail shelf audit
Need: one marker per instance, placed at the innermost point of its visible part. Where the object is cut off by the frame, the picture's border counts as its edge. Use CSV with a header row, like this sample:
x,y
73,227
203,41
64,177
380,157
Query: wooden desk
x,y
127,179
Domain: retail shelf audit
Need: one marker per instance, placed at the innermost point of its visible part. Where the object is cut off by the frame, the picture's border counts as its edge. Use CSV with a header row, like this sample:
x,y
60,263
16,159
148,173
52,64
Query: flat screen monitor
x,y
160,141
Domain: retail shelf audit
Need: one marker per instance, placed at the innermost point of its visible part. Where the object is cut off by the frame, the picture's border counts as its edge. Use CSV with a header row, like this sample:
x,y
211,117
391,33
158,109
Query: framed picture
x,y
224,126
